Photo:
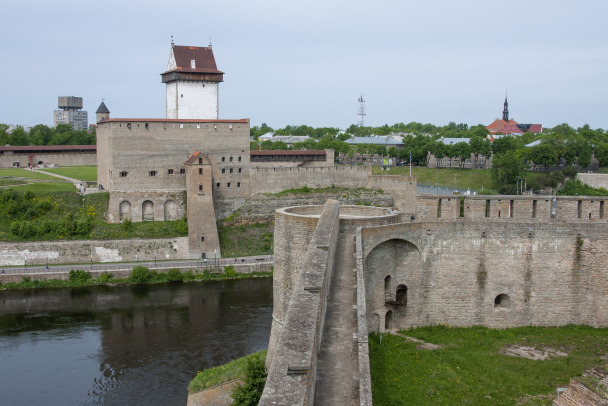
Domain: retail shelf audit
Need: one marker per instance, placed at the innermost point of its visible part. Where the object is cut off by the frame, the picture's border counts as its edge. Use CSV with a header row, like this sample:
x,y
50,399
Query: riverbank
x,y
138,276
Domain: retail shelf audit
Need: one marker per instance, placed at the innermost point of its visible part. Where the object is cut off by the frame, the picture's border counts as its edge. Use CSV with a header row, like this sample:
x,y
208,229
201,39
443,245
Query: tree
x,y
18,137
480,146
544,154
250,392
462,150
507,166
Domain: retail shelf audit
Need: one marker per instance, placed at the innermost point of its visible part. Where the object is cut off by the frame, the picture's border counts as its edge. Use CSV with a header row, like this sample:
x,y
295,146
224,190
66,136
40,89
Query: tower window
x,y
200,161
152,173
239,159
223,159
217,184
230,159
228,184
124,174
170,171
200,188
223,170
182,171
230,170
200,171
238,184
240,169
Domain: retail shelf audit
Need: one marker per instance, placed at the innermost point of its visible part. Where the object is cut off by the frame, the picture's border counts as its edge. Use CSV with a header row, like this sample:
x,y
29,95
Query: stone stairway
x,y
337,360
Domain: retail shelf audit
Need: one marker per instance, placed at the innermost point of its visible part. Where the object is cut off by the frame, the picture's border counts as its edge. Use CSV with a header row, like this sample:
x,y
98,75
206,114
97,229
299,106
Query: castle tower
x,y
102,112
192,80
505,111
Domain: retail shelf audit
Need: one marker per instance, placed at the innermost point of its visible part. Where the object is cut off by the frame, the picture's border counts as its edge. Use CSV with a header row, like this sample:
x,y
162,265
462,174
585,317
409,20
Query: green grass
x,y
470,370
475,179
25,173
245,240
46,187
223,373
66,203
325,190
11,182
85,172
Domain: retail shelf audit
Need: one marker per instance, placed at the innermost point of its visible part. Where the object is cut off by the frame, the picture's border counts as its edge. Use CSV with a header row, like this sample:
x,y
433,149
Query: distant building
x,y
382,140
512,127
287,139
71,113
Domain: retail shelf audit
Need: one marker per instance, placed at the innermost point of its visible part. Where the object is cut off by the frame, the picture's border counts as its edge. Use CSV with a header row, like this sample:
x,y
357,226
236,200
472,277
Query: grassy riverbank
x,y
222,373
139,275
471,366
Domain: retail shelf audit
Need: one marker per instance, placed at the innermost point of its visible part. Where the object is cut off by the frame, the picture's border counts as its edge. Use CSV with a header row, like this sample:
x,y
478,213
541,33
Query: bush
x,y
174,275
126,225
140,274
79,275
106,277
570,171
250,393
508,190
229,271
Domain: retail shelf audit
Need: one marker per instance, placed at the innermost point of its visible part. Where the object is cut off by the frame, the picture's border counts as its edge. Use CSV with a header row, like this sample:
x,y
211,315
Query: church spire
x,y
505,112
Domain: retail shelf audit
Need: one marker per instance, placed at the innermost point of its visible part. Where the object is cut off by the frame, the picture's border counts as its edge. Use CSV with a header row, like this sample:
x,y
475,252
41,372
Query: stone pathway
x,y
337,360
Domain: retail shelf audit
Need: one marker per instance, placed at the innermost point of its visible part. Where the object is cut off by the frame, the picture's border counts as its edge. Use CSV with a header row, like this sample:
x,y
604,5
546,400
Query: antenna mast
x,y
361,112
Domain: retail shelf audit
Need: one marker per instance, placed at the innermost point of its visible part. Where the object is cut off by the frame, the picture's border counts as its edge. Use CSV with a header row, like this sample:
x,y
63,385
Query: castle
x,y
194,164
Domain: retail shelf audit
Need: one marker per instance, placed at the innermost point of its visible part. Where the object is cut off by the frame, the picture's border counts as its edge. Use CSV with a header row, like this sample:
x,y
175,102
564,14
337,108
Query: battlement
x,y
512,208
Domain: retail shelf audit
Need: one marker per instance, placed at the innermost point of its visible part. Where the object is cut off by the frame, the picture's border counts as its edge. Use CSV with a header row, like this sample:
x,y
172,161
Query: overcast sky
x,y
307,62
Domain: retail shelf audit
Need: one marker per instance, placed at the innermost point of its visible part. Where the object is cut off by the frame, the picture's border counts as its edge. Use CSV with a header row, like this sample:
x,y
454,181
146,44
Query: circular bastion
x,y
293,230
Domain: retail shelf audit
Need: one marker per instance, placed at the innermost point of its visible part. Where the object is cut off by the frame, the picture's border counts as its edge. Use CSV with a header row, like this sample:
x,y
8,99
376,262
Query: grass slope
x,y
241,240
470,370
25,173
85,172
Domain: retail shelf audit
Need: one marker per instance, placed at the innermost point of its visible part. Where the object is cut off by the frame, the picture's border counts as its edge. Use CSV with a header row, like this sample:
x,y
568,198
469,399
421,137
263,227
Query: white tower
x,y
192,82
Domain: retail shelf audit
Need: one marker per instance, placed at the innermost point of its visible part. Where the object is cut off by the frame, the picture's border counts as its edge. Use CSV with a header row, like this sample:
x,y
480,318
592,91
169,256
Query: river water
x,y
125,345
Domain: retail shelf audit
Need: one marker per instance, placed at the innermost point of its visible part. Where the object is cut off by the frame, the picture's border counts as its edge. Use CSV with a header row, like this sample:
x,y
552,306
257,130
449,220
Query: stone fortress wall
x,y
14,159
498,261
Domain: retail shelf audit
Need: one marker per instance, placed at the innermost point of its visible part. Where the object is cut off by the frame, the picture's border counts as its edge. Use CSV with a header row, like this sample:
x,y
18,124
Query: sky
x,y
307,62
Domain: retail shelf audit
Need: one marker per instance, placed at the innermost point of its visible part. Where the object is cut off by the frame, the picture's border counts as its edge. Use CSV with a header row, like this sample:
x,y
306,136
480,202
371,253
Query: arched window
x,y
502,301
147,211
401,297
125,210
388,320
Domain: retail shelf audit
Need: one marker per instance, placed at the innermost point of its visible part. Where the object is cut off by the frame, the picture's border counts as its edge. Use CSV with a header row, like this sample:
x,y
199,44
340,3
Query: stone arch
x,y
170,210
388,320
502,301
375,325
147,211
401,295
401,259
124,210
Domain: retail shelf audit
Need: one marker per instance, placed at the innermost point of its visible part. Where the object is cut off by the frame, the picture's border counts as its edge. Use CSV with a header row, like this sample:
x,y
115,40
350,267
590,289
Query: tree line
x,y
41,134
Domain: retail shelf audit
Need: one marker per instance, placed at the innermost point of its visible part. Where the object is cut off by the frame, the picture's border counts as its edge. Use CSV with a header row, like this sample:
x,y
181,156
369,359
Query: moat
x,y
125,345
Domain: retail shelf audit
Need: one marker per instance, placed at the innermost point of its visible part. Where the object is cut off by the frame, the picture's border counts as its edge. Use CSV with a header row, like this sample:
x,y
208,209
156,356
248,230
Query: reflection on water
x,y
125,345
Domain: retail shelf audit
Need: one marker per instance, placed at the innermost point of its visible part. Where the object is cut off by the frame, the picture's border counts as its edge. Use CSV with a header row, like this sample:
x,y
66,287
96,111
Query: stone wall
x,y
536,209
292,372
274,180
402,188
596,180
79,251
498,274
591,389
151,205
67,158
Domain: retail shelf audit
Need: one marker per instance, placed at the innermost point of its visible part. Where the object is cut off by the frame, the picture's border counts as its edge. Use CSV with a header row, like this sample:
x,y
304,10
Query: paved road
x,y
118,266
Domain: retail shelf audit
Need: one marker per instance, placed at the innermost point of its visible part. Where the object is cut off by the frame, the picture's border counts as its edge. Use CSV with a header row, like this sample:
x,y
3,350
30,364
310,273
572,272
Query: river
x,y
125,345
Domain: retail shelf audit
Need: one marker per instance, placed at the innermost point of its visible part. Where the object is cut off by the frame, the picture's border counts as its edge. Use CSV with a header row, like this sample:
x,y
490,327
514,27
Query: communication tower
x,y
361,113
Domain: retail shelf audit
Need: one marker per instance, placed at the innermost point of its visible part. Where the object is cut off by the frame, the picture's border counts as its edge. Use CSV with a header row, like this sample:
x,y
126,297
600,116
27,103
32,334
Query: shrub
x,y
250,393
140,274
174,275
106,277
126,225
570,171
508,190
79,275
229,271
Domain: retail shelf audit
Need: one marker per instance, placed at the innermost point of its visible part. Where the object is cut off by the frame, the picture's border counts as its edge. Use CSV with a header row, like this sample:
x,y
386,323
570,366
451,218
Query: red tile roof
x,y
192,158
203,58
498,125
535,128
511,129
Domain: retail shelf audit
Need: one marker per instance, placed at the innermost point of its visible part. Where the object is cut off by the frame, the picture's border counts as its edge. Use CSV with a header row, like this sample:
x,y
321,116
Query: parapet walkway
x,y
337,362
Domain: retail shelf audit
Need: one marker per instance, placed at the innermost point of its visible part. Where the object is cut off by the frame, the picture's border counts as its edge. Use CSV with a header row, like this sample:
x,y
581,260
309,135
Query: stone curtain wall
x,y
402,188
292,372
62,252
274,180
549,274
596,180
7,159
536,209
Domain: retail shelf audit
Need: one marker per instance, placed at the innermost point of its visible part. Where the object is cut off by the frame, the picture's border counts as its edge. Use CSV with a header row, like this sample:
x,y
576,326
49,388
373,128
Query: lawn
x,y
45,187
86,172
24,173
471,369
245,240
475,179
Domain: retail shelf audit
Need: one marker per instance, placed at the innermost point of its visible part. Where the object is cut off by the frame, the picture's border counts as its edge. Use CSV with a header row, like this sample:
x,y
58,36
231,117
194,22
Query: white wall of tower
x,y
192,100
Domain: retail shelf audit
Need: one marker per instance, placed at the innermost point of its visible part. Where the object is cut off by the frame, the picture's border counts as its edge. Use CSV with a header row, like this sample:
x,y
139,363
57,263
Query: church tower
x,y
505,111
192,80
